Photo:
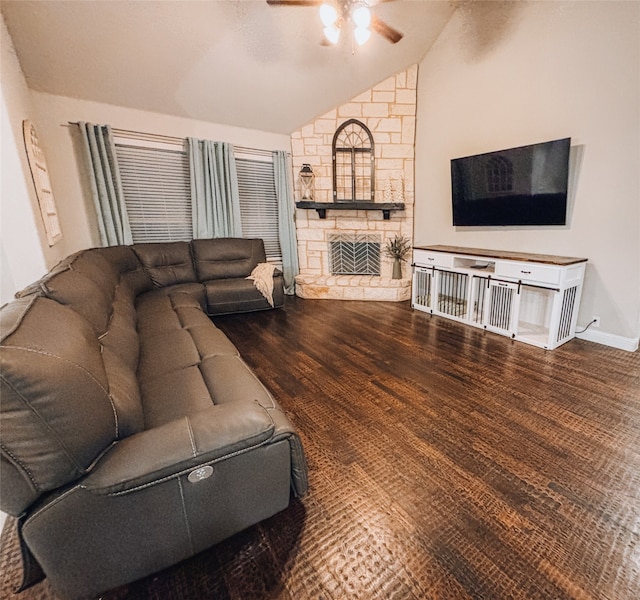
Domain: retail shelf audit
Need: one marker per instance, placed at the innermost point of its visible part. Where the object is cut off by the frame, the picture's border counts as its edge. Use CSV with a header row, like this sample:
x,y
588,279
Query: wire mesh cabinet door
x,y
479,300
422,290
501,312
452,293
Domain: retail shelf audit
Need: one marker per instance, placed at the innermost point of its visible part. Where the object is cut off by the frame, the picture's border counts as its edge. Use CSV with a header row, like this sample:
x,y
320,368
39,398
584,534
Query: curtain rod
x,y
169,139
140,135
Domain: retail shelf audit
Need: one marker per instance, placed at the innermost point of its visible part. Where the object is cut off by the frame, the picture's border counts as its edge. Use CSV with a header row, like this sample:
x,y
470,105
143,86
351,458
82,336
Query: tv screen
x,y
518,186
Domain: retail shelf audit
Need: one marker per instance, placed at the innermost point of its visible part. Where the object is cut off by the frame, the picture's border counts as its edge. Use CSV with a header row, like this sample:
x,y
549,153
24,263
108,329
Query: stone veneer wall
x,y
389,111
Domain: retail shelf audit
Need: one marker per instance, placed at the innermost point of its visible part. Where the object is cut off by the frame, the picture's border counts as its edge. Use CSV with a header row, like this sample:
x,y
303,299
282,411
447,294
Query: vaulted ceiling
x,y
234,62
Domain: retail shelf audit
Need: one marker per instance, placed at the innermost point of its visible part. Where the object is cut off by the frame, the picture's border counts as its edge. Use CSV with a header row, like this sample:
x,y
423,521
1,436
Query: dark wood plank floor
x,y
445,463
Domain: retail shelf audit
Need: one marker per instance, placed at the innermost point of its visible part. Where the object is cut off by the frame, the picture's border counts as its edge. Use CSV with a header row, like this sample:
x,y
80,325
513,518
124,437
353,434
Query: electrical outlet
x,y
596,321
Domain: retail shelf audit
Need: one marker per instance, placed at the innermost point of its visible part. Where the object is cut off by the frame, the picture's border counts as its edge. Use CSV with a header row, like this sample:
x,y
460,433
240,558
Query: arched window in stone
x,y
499,171
353,163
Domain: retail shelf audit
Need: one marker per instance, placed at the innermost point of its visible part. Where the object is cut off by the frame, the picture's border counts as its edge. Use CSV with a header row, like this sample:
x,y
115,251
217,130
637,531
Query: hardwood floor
x,y
445,463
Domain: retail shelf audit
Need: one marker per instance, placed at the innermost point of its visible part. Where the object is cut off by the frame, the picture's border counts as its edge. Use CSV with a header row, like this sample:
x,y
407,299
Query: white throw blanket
x,y
262,277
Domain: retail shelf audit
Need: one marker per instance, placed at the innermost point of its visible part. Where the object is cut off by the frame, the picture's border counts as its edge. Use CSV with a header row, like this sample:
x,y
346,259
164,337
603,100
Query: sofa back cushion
x,y
85,282
126,263
120,353
224,258
83,295
166,263
56,413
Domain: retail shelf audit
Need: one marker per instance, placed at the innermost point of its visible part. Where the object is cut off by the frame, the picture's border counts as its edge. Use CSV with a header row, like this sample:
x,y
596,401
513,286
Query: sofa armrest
x,y
180,446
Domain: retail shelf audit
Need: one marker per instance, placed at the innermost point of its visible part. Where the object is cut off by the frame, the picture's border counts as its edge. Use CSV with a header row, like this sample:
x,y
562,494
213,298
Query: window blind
x,y
157,193
156,185
258,204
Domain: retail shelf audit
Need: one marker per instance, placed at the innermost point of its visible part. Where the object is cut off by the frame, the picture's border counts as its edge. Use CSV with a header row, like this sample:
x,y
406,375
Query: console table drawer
x,y
529,272
432,259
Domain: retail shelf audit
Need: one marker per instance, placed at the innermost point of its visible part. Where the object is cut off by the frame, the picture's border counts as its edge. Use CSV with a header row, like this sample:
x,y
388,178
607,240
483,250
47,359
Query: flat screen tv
x,y
518,186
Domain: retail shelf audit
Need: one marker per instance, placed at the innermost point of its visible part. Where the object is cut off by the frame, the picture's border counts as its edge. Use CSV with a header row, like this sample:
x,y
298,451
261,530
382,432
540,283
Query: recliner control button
x,y
200,474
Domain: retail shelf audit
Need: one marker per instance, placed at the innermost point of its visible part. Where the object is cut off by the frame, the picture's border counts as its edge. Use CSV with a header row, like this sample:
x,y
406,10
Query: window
x,y
353,163
155,182
258,203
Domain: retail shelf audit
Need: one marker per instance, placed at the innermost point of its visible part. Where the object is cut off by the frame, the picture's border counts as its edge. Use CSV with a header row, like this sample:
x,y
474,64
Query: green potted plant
x,y
397,248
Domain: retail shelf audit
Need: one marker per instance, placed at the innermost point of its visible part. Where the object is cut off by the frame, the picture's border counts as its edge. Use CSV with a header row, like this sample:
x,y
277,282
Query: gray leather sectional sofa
x,y
133,435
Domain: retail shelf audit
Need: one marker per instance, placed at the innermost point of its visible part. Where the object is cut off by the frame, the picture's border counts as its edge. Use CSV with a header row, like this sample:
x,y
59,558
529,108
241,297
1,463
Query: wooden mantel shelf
x,y
322,207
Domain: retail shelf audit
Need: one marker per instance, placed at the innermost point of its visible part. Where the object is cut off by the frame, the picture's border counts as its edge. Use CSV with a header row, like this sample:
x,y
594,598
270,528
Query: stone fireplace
x,y
388,110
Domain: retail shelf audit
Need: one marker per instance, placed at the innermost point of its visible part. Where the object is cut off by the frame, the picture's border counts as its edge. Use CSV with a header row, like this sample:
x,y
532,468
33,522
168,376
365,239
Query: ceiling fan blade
x,y
294,2
386,31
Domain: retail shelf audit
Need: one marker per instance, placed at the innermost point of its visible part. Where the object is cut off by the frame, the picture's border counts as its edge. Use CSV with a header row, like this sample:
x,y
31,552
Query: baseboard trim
x,y
610,339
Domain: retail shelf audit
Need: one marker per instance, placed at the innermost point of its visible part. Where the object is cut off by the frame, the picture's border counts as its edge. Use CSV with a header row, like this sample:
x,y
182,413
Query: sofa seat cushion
x,y
229,379
238,295
170,396
159,313
176,337
194,290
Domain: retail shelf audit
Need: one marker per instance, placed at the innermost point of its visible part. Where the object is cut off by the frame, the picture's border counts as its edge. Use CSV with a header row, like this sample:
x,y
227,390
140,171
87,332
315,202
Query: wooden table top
x,y
506,255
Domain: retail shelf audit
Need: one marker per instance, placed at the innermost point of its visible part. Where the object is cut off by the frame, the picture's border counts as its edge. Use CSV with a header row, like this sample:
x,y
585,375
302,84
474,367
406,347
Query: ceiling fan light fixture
x,y
332,33
361,17
356,15
328,14
361,34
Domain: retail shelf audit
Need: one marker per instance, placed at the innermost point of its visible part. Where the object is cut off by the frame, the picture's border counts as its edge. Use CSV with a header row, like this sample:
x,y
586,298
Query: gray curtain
x,y
286,222
215,200
106,186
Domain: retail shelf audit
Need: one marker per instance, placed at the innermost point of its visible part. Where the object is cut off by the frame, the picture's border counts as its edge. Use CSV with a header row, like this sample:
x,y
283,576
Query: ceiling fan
x,y
335,13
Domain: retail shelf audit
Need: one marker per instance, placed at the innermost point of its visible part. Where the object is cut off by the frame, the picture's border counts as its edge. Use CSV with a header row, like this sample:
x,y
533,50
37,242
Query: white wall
x,y
510,74
61,142
22,236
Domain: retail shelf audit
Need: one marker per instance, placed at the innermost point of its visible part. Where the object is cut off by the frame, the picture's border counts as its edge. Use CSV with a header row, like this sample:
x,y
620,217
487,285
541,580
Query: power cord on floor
x,y
587,327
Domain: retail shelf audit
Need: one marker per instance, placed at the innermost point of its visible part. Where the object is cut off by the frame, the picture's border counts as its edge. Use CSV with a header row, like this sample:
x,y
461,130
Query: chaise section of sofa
x,y
215,270
133,433
224,271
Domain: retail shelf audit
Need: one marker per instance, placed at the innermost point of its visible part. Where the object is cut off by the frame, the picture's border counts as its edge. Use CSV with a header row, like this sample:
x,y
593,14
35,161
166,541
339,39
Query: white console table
x,y
532,298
